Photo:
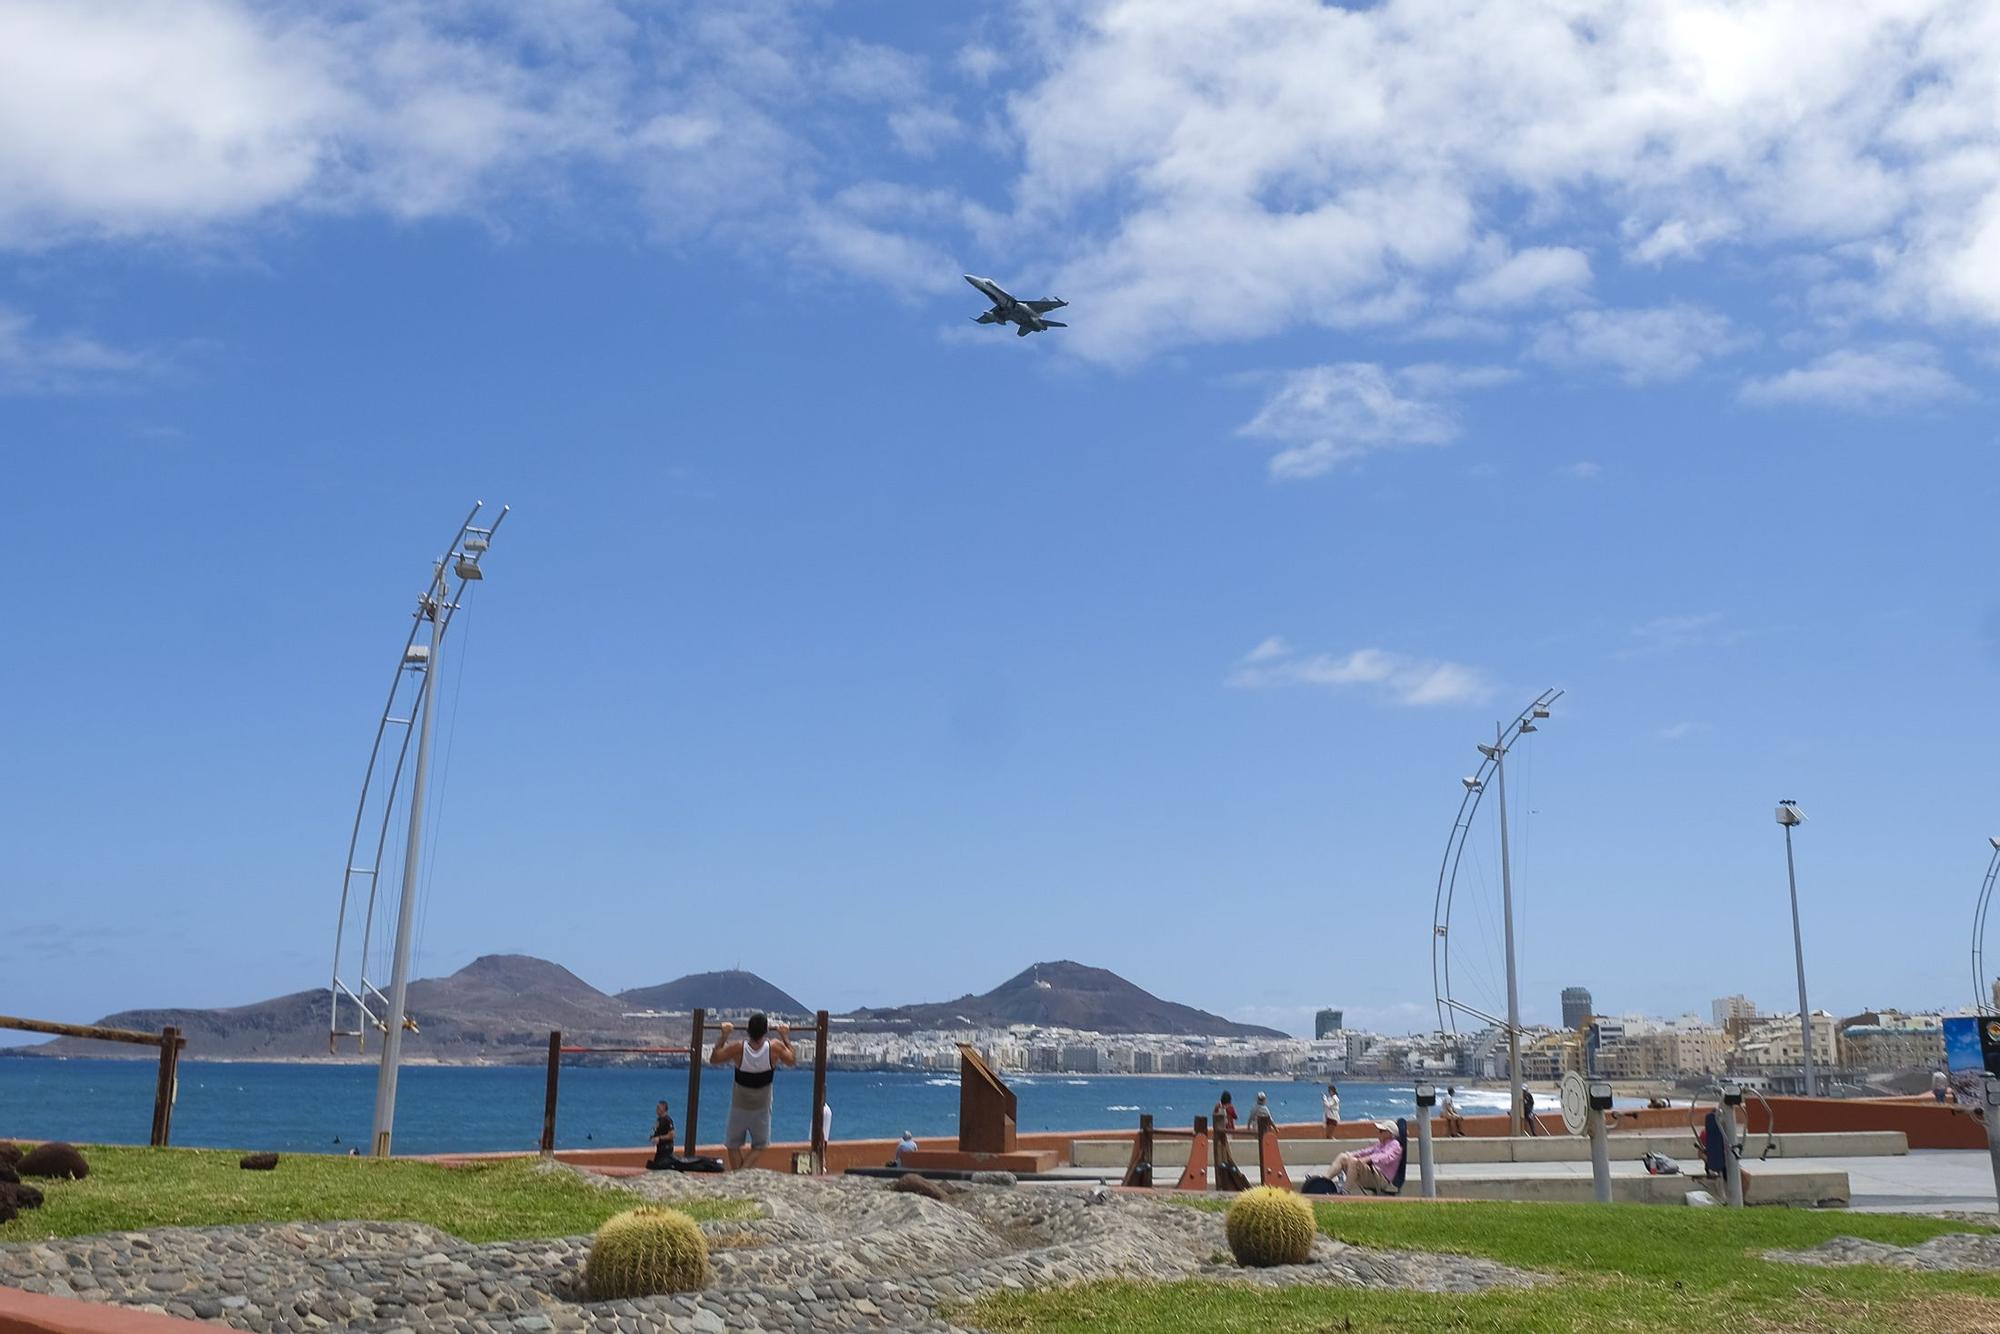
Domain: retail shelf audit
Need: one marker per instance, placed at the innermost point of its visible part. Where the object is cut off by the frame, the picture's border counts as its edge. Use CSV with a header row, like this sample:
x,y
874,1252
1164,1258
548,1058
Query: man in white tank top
x,y
755,1058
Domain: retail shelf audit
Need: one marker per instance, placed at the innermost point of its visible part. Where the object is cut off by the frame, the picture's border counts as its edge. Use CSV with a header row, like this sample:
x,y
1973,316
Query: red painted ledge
x,y
32,1313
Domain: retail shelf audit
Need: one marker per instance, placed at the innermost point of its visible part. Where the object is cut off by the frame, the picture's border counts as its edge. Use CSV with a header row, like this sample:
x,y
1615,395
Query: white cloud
x,y
1544,273
1403,680
1681,731
131,120
1662,343
1329,415
1583,470
1876,379
1670,634
33,362
1294,163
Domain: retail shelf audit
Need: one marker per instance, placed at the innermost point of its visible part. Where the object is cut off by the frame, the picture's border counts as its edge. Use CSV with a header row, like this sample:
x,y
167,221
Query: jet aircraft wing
x,y
1045,305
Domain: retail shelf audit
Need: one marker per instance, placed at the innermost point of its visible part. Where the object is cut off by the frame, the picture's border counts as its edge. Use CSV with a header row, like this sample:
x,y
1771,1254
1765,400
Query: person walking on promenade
x,y
663,1138
756,1058
1372,1168
1454,1120
1261,1118
1329,1102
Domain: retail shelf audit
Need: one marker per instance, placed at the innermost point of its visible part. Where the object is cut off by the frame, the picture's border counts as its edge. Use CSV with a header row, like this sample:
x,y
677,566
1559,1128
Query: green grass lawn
x,y
1621,1267
500,1201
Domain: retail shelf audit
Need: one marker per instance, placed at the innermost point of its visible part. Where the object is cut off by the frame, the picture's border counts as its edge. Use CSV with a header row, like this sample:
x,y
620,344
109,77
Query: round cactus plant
x,y
645,1251
1268,1226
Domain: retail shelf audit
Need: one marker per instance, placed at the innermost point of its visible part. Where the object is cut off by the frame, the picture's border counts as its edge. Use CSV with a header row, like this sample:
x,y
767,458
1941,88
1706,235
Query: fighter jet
x,y
1006,310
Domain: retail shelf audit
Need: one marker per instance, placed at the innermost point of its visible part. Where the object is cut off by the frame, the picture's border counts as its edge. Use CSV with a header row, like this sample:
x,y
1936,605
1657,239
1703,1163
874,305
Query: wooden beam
x,y
549,1098
91,1031
169,1041
695,1057
819,1092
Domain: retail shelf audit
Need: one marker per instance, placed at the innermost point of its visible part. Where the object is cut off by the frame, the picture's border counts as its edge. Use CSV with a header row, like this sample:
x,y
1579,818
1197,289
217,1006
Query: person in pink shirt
x,y
1372,1168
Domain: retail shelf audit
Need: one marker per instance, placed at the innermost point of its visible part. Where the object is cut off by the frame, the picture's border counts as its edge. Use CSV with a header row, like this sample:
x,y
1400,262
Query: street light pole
x,y
1507,911
1789,815
399,977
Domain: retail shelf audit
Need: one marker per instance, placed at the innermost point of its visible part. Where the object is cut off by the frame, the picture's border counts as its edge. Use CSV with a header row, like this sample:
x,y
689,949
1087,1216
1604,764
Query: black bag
x,y
1230,1177
1319,1186
694,1163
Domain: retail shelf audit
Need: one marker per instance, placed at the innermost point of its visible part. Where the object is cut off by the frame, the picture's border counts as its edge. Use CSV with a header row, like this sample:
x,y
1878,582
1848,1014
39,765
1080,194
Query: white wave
x,y
942,1083
1084,1083
1123,1107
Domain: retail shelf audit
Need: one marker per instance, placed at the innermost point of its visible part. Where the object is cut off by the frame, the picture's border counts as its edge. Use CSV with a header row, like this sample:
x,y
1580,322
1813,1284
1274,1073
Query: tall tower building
x,y
1738,1008
1576,1006
1325,1024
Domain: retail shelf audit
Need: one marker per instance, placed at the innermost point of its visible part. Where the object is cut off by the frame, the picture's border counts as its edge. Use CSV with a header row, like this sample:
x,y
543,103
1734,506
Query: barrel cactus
x,y
1268,1226
645,1251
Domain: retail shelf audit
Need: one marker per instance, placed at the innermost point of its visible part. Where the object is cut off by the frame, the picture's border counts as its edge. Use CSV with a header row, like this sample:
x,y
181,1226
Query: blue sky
x,y
1423,355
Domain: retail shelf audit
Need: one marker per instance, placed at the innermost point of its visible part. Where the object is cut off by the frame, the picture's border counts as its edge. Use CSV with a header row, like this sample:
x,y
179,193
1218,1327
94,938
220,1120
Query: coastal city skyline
x,y
890,643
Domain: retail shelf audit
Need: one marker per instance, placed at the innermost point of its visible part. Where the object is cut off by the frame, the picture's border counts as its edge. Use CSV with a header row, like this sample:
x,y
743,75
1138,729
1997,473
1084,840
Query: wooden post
x,y
695,1058
549,1099
1271,1161
1195,1175
819,1092
1139,1168
163,1092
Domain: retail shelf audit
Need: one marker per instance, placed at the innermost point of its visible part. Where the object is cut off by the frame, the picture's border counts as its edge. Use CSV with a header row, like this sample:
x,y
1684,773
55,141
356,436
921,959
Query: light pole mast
x,y
1507,912
1789,815
355,1004
432,608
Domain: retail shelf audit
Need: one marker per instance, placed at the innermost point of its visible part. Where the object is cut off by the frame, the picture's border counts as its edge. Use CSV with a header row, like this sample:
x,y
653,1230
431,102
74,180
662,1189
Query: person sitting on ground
x,y
1329,1102
1658,1102
904,1148
1372,1168
1528,1121
1454,1120
1261,1118
1940,1084
756,1058
663,1138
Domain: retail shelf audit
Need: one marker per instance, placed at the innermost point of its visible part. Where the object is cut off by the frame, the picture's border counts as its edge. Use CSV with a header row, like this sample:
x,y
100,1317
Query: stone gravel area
x,y
1961,1251
827,1253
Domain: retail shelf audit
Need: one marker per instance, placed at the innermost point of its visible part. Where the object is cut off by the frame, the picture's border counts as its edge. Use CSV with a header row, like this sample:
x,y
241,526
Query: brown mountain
x,y
1068,995
499,1007
730,989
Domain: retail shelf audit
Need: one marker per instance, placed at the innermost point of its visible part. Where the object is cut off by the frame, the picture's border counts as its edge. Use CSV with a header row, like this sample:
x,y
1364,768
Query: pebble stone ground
x,y
826,1253
1961,1251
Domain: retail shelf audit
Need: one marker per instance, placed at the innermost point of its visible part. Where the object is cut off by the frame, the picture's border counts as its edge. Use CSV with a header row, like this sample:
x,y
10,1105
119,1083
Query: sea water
x,y
326,1108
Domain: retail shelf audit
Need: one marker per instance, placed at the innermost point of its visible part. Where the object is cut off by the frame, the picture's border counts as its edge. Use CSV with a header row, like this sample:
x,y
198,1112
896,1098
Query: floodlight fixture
x,y
1474,785
467,569
1493,752
1527,727
1789,814
1541,711
1995,842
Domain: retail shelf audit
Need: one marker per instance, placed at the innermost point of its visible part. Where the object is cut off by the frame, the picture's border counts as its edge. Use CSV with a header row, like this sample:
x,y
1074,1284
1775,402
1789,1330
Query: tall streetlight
x,y
408,717
1492,769
1789,815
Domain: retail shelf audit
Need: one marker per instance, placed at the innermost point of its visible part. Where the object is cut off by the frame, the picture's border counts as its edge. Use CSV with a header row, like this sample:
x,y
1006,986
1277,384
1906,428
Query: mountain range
x,y
500,1008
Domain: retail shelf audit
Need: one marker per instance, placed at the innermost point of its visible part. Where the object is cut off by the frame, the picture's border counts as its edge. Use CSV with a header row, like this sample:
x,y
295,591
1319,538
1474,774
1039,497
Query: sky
x,y
1422,356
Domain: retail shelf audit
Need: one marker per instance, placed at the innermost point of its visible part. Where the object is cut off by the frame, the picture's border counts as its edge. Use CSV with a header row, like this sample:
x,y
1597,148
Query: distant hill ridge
x,y
1066,994
729,989
500,1008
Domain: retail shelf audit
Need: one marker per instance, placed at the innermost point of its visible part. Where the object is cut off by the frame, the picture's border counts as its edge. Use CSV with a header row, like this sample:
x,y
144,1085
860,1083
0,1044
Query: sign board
x,y
1575,1103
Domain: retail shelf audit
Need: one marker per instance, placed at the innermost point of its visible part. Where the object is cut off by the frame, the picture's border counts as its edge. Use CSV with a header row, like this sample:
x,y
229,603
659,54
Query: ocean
x,y
316,1108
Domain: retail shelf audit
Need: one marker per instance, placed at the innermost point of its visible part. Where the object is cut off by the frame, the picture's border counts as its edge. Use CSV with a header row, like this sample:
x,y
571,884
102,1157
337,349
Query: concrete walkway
x,y
1921,1181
